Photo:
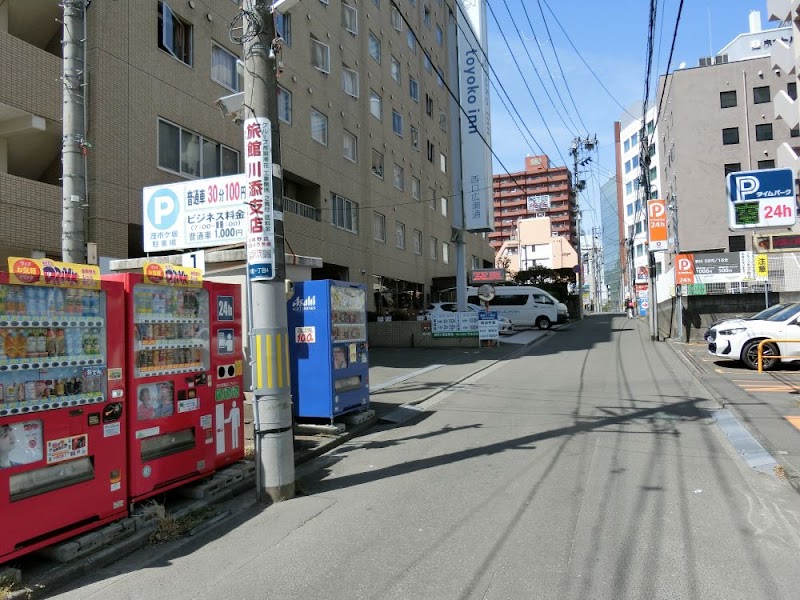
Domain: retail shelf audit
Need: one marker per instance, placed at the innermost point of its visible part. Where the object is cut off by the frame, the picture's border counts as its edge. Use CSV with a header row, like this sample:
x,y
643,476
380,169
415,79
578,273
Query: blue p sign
x,y
163,208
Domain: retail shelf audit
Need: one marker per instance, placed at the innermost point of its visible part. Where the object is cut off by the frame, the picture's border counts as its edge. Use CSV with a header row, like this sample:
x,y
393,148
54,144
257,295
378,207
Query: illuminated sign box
x,y
480,276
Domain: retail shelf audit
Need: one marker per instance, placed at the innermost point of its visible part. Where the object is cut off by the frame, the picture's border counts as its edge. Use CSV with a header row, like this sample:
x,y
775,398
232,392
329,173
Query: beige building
x,y
535,245
365,126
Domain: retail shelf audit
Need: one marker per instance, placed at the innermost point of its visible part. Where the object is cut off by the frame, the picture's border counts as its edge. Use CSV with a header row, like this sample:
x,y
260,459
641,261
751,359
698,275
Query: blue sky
x,y
613,42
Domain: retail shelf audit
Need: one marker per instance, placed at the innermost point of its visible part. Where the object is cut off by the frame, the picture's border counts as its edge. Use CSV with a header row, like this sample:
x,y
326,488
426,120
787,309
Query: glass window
x,y
727,99
320,56
426,62
732,168
634,140
417,241
442,163
397,123
444,204
397,21
350,82
651,127
211,158
439,36
764,132
730,136
432,198
442,120
629,209
629,187
428,105
439,80
761,95
169,146
411,41
413,89
284,105
350,146
224,68
378,227
377,163
791,90
399,178
795,132
414,138
396,74
400,235
434,247
190,153
375,105
344,214
415,188
626,145
426,16
446,253
319,127
174,34
635,162
349,18
283,25
766,164
628,166
374,47
431,150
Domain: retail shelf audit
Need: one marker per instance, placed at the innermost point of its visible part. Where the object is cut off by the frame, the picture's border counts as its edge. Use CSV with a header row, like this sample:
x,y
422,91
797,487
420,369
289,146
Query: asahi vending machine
x,y
62,403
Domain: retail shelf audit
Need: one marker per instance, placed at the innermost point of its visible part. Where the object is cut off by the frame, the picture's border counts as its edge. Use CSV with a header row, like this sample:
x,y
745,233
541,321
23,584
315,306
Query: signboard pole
x,y
266,269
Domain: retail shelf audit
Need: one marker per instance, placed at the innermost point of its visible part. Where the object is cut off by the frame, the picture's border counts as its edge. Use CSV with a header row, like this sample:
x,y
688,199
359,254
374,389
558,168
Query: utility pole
x,y
266,259
73,144
673,206
578,146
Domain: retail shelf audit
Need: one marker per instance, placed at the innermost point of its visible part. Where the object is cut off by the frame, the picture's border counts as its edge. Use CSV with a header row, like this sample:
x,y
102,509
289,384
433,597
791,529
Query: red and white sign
x,y
684,269
305,335
260,225
657,225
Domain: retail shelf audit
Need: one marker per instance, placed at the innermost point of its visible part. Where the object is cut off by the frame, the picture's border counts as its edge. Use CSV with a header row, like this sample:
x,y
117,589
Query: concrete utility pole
x,y
578,146
672,204
267,290
73,201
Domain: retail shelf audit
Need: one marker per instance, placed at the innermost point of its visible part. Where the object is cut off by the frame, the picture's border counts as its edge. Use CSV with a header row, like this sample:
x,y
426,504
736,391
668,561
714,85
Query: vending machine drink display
x,y
172,376
62,394
328,348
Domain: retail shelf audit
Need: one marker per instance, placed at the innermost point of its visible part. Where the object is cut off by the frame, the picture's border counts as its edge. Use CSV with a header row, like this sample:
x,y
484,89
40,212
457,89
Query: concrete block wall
x,y
409,334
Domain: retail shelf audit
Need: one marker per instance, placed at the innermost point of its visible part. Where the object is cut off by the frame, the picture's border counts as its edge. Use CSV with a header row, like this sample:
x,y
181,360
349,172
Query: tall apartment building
x,y
719,118
364,118
540,190
612,229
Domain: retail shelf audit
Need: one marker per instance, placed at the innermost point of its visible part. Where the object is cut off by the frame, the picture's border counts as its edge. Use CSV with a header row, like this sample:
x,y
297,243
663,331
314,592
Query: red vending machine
x,y
62,395
172,374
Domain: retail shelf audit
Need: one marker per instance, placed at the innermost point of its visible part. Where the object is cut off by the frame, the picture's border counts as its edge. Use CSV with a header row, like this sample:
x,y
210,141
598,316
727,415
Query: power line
x,y
669,60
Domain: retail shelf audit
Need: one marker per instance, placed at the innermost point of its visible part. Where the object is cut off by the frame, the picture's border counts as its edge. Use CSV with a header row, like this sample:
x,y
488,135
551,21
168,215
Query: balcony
x,y
789,157
782,56
786,109
298,208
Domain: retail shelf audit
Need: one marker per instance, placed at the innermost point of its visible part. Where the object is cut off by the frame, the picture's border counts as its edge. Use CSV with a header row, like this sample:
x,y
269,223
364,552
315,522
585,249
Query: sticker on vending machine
x,y
111,429
20,443
67,448
225,341
205,421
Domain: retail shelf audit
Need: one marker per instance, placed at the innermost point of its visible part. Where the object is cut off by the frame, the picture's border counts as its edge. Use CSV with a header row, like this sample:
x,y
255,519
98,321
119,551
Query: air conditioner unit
x,y
704,62
721,59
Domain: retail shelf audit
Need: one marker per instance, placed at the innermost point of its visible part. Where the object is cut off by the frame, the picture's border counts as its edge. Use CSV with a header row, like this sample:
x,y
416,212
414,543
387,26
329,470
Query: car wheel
x,y
750,355
543,323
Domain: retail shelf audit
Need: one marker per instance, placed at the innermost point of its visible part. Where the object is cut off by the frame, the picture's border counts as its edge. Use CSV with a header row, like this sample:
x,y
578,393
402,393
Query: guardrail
x,y
763,343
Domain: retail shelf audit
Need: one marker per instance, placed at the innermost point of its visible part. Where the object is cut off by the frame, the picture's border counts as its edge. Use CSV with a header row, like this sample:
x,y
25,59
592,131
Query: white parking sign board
x,y
194,214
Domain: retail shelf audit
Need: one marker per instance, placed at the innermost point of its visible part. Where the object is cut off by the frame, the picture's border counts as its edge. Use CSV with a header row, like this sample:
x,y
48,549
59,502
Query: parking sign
x,y
764,198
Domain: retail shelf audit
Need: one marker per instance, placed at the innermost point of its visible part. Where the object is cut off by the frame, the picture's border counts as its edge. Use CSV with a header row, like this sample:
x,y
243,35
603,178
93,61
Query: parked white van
x,y
524,305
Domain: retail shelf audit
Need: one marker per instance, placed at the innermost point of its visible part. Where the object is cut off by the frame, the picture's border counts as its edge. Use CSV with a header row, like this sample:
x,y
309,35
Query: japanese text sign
x,y
30,271
260,217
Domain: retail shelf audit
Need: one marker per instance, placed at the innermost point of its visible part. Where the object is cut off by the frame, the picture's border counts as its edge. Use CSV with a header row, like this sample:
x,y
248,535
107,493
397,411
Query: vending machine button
x,y
117,393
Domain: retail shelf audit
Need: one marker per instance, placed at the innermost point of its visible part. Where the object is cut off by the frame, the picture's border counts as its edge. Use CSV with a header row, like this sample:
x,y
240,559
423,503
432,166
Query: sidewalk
x,y
398,378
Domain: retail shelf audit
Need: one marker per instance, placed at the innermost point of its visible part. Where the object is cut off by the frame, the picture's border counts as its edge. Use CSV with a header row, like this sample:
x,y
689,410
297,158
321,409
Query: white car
x,y
739,339
506,326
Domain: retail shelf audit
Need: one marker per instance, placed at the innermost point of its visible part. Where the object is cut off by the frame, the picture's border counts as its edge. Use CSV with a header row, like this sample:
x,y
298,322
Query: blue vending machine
x,y
328,348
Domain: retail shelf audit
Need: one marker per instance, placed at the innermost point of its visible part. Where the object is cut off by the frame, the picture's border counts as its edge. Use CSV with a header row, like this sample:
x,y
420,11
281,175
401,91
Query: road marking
x,y
400,378
767,389
795,421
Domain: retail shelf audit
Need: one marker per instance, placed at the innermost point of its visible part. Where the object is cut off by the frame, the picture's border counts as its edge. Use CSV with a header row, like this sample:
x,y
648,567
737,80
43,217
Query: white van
x,y
524,305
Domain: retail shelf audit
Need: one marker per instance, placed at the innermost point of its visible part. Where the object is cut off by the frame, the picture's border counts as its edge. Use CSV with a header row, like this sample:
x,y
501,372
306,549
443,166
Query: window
x,y
431,150
174,34
350,146
439,36
412,41
730,136
426,62
629,209
761,95
284,105
417,241
432,198
446,253
224,68
766,164
414,138
442,120
320,56
635,162
319,127
426,16
764,132
736,243
428,105
399,178
413,89
377,3
791,90
794,132
396,69
283,25
188,153
634,140
374,47
375,105
350,18
442,163
397,21
434,247
629,187
627,145
344,214
378,227
397,123
732,168
628,166
350,82
377,163
651,127
727,99
400,235
443,201
415,188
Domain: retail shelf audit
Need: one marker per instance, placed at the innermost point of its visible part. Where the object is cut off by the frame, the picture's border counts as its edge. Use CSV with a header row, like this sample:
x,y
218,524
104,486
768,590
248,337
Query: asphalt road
x,y
588,467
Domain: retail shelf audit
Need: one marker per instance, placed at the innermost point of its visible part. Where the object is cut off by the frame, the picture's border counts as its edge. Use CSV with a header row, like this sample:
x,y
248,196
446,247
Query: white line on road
x,y
401,378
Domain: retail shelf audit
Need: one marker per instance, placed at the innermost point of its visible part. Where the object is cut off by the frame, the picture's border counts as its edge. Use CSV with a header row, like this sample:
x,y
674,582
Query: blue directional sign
x,y
260,272
764,198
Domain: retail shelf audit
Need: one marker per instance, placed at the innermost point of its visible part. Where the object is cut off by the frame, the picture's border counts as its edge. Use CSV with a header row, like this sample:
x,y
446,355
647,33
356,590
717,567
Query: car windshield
x,y
768,312
785,314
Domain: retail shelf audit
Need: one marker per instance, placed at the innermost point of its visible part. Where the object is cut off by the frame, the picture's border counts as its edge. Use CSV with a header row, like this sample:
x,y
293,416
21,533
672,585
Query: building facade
x,y
540,190
611,246
364,117
536,246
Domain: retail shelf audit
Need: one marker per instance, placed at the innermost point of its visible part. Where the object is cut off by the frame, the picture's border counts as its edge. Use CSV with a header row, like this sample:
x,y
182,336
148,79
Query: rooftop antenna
x,y
710,49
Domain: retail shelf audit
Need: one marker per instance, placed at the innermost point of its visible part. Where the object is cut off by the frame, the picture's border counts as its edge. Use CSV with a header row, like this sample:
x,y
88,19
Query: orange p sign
x,y
684,269
657,224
